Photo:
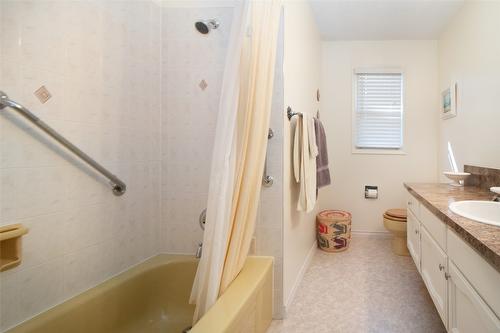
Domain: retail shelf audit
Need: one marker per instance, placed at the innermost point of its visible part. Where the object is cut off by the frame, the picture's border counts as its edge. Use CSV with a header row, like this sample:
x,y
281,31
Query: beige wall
x,y
351,172
469,54
302,55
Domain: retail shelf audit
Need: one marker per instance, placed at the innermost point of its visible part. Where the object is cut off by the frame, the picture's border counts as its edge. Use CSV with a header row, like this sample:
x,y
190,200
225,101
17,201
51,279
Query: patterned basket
x,y
333,230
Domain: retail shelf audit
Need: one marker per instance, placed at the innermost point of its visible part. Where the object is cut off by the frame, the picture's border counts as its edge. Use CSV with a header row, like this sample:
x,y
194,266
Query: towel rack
x,y
290,113
117,185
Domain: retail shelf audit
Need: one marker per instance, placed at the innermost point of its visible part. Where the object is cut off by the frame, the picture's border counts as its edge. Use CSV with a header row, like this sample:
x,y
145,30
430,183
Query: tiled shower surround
x,y
124,78
189,116
100,61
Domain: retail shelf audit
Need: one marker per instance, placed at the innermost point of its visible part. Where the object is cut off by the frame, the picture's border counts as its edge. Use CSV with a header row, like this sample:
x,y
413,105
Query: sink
x,y
481,211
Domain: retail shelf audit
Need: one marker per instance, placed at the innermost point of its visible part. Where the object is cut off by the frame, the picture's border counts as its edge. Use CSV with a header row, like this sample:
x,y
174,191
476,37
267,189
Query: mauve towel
x,y
322,170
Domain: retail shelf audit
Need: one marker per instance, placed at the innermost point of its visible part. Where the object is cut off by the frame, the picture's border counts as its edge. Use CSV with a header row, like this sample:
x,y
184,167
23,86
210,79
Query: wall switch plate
x,y
42,94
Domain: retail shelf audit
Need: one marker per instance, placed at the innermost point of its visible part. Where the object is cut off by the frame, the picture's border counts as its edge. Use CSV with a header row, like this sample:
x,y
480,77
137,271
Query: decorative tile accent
x,y
203,85
482,177
42,94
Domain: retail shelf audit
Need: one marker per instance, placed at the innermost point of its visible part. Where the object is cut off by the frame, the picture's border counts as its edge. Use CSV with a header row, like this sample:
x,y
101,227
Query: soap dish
x,y
10,245
457,177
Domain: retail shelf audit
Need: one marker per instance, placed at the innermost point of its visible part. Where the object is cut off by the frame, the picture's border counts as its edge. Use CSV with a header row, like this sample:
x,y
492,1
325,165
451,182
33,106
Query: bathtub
x,y
153,297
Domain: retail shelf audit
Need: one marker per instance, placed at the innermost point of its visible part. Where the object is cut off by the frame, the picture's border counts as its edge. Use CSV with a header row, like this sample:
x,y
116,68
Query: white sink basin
x,y
481,211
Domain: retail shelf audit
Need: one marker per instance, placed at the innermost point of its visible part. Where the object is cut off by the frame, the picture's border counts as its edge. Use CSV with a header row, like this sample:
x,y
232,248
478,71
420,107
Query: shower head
x,y
205,26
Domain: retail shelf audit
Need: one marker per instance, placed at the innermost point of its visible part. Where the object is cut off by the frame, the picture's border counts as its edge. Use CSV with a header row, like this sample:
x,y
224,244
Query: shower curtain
x,y
239,149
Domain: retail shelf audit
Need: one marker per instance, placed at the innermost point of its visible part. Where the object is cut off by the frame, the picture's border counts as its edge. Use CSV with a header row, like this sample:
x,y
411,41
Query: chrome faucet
x,y
199,250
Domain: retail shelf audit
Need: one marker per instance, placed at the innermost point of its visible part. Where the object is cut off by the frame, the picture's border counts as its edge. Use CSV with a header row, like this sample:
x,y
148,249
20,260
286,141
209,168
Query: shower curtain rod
x,y
117,185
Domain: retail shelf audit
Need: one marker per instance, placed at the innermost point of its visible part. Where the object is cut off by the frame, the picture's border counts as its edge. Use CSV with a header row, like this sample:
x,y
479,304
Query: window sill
x,y
378,151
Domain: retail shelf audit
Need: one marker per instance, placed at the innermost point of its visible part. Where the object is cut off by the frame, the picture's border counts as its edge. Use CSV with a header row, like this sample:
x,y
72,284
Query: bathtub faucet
x,y
199,250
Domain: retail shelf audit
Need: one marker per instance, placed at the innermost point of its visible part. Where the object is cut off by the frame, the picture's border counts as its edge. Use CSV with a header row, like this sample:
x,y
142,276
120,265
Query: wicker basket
x,y
333,230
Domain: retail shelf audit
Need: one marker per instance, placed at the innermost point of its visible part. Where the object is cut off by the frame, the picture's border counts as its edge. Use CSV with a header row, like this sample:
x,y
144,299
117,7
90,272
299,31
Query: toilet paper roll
x,y
371,194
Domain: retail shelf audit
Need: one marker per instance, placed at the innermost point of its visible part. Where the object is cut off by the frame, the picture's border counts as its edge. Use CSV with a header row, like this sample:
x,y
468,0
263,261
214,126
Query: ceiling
x,y
382,19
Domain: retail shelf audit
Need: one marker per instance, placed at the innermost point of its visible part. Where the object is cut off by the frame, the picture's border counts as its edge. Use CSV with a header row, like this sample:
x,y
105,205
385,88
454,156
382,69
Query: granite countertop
x,y
483,237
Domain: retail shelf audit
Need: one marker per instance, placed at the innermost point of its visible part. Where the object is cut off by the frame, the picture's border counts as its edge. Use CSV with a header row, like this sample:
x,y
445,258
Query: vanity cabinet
x,y
464,288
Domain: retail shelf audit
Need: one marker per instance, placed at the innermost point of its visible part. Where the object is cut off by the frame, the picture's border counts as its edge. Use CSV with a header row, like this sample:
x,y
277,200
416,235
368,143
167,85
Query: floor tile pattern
x,y
364,289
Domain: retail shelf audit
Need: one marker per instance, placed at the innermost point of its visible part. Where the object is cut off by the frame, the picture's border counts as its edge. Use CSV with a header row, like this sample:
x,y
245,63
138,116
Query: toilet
x,y
395,222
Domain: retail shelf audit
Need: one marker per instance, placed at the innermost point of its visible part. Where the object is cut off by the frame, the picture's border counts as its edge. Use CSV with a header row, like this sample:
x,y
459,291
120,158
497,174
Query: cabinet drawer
x,y
480,274
413,205
433,263
435,226
413,238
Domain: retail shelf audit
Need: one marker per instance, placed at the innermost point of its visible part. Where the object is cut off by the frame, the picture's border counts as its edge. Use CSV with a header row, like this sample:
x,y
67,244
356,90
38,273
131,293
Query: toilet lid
x,y
395,219
397,213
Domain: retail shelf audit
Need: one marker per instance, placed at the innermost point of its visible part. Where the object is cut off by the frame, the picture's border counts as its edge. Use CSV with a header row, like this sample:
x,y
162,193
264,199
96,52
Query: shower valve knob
x,y
268,181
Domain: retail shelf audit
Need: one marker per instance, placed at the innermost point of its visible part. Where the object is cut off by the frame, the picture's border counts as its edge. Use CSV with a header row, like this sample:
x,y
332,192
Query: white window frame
x,y
377,151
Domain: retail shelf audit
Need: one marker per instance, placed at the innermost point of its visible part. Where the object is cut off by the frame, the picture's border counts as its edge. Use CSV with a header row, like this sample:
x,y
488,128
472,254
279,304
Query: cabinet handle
x,y
416,231
446,275
441,267
409,203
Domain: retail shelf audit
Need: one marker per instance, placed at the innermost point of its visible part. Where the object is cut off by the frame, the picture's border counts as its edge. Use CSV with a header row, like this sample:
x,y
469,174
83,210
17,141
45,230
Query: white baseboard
x,y
300,276
382,234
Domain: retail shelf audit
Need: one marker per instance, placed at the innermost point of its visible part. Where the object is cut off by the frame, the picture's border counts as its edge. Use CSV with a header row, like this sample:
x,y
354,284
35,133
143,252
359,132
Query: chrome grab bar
x,y
267,180
117,185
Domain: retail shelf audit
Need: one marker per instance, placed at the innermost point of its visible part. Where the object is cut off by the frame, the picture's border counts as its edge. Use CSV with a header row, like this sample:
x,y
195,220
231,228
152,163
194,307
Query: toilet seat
x,y
397,213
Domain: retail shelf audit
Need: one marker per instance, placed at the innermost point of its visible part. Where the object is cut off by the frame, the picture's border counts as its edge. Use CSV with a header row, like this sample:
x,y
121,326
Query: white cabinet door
x,y
467,310
433,262
413,238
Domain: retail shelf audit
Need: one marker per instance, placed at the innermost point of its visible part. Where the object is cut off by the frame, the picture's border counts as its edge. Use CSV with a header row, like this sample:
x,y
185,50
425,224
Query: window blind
x,y
379,110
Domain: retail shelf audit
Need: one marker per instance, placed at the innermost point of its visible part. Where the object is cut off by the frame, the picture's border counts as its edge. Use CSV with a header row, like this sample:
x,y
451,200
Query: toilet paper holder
x,y
371,192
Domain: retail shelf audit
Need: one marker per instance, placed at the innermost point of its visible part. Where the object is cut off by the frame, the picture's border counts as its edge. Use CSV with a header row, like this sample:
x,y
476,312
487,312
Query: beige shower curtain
x,y
239,151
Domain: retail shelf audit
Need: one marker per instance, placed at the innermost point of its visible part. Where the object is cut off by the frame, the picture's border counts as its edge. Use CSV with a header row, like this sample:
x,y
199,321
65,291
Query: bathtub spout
x,y
199,250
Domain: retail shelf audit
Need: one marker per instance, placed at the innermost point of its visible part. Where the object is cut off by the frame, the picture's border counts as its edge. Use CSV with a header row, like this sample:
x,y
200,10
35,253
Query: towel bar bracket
x,y
290,113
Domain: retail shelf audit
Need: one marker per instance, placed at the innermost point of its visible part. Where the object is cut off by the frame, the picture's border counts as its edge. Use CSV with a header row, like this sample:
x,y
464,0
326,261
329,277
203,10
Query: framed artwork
x,y
449,102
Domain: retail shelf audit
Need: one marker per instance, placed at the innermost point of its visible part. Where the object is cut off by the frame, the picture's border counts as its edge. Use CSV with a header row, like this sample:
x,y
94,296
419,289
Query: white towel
x,y
304,161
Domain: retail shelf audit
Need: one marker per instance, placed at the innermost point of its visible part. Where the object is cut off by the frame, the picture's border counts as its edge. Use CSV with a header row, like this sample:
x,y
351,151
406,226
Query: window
x,y
378,110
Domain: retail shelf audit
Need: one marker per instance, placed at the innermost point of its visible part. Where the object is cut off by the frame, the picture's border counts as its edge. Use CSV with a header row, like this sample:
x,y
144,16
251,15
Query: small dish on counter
x,y
457,177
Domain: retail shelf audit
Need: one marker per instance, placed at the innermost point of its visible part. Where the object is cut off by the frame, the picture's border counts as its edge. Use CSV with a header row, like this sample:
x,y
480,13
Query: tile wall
x,y
100,61
189,116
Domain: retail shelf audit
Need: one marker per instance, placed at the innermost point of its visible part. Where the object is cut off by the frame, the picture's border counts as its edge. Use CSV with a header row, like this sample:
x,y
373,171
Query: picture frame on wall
x,y
449,102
